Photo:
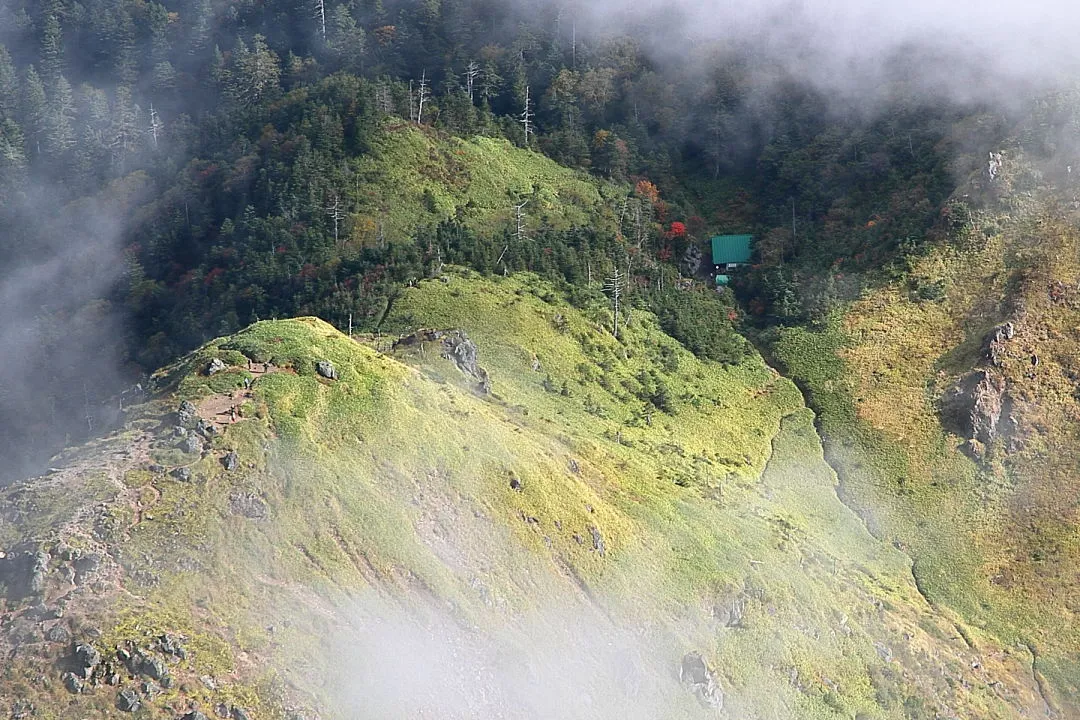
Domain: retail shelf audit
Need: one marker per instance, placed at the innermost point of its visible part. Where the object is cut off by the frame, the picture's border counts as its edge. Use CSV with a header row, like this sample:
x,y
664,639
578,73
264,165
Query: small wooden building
x,y
729,252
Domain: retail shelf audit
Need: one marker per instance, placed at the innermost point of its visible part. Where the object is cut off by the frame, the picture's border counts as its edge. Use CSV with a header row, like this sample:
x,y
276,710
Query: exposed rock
x,y
729,611
515,482
977,404
597,540
187,413
216,365
249,505
24,631
72,682
239,713
38,571
192,444
231,461
996,342
691,260
455,346
694,672
326,369
86,566
58,634
20,573
193,715
87,657
205,428
172,645
127,700
154,668
182,474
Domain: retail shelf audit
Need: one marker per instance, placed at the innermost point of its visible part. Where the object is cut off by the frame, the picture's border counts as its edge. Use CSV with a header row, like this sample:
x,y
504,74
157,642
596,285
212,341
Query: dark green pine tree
x,y
163,78
60,129
52,45
346,40
202,23
12,159
35,110
9,86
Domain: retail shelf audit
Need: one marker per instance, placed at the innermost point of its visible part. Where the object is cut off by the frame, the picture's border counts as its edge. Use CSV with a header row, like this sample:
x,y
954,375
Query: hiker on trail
x,y
266,367
232,414
247,383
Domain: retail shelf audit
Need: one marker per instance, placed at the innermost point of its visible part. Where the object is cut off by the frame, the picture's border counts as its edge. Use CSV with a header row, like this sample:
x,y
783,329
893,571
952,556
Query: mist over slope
x,y
398,541
171,172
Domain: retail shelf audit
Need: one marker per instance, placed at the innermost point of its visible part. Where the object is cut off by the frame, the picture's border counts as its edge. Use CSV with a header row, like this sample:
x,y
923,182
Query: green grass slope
x,y
395,542
415,177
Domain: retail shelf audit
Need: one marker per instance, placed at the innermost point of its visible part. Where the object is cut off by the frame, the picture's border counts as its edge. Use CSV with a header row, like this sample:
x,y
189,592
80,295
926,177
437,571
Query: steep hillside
x,y
949,402
414,178
512,515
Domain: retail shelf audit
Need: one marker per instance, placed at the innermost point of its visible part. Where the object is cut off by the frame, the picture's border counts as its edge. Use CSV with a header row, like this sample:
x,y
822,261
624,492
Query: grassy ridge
x,y
704,486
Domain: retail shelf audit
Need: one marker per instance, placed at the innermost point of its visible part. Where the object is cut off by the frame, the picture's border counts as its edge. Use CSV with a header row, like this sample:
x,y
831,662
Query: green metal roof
x,y
722,279
731,249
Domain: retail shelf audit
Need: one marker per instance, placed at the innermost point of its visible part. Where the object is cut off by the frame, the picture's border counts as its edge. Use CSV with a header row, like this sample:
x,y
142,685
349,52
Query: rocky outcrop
x,y
695,673
691,261
976,405
455,346
248,505
997,341
22,573
187,414
326,369
458,348
216,365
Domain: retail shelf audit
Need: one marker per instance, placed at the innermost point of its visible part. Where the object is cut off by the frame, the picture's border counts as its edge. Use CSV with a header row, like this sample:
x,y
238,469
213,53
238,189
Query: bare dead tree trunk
x,y
519,216
472,71
423,96
527,116
320,15
336,214
155,125
614,286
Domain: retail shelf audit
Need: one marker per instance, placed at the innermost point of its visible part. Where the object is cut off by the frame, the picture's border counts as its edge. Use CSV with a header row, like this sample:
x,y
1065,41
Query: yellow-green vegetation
x,y
676,501
415,177
993,529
